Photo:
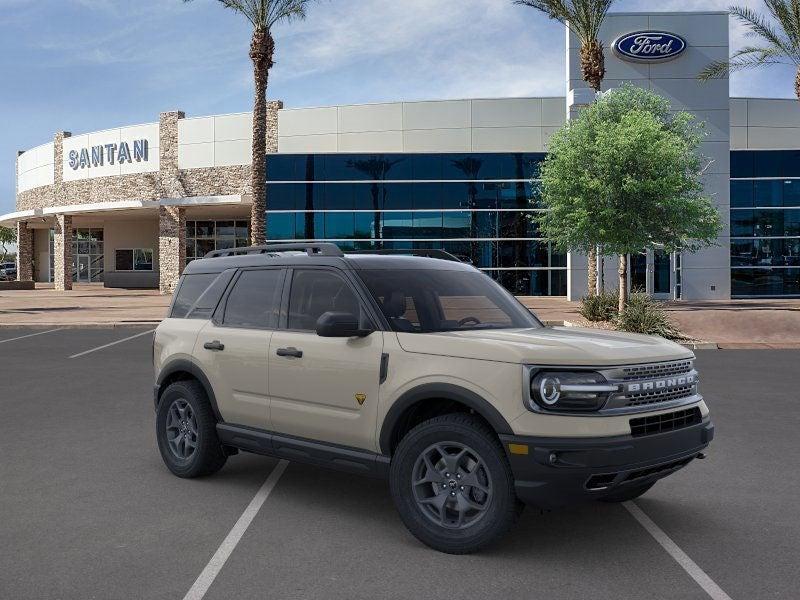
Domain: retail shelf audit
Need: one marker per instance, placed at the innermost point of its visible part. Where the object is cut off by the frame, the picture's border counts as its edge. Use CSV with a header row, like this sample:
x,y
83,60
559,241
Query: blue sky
x,y
84,65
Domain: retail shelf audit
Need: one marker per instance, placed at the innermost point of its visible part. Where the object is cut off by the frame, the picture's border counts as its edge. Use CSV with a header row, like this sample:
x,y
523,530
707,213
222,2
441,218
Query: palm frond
x,y
745,58
759,26
583,17
785,14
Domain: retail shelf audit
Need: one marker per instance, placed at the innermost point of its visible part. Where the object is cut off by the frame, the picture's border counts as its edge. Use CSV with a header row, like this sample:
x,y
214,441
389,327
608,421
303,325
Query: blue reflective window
x,y
742,164
367,225
455,195
281,167
427,225
741,223
768,193
768,163
457,224
397,196
741,194
282,196
398,225
765,282
791,192
426,195
367,196
280,226
339,196
339,225
426,166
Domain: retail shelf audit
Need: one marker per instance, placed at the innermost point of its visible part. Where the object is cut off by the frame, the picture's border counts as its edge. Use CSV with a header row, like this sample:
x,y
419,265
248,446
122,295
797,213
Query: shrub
x,y
601,307
645,315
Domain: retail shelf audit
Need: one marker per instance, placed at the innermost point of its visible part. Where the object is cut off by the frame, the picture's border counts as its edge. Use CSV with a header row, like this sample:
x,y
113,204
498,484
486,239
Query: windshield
x,y
430,301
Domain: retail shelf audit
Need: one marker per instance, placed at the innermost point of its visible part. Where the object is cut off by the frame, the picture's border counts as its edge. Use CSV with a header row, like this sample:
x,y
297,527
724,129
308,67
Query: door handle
x,y
215,345
293,352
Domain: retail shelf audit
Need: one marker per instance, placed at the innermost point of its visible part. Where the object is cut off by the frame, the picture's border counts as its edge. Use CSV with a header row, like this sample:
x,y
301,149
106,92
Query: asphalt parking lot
x,y
87,509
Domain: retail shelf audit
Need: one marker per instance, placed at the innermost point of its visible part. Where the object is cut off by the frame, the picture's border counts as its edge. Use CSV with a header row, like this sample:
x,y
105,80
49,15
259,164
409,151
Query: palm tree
x,y
262,15
584,19
780,41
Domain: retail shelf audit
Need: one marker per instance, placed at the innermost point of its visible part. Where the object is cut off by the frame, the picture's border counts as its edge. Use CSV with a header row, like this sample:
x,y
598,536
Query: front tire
x,y
186,431
452,485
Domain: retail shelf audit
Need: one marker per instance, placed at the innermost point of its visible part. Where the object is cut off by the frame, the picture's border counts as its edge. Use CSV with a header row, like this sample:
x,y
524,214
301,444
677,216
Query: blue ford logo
x,y
649,46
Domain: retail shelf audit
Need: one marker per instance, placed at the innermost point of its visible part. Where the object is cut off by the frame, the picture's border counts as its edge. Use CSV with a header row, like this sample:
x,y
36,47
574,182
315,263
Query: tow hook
x,y
700,456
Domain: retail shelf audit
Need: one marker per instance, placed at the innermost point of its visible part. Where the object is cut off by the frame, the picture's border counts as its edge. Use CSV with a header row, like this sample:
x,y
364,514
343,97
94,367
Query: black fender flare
x,y
446,391
186,366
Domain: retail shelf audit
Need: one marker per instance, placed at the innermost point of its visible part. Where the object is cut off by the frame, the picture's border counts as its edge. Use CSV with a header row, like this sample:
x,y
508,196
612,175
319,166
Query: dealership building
x,y
130,206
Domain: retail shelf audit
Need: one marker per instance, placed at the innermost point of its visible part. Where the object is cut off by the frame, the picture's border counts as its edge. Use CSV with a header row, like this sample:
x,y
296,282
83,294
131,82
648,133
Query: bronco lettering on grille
x,y
660,384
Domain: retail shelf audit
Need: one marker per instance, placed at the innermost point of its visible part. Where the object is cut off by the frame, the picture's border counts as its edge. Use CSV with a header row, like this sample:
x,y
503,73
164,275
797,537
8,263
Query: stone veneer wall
x,y
62,250
169,182
24,252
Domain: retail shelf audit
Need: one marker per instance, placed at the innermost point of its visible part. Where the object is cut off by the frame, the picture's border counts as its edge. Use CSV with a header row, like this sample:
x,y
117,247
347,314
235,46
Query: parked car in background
x,y
8,271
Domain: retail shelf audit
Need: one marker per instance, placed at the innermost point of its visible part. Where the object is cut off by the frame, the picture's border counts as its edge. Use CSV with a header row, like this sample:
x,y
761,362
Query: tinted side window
x,y
315,292
254,300
191,288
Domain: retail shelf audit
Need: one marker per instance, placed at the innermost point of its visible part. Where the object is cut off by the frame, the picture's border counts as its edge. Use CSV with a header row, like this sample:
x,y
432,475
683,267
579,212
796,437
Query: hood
x,y
573,346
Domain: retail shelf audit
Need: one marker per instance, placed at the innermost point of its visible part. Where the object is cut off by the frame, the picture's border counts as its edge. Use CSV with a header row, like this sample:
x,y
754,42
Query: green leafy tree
x,y
263,15
626,175
8,236
584,19
778,40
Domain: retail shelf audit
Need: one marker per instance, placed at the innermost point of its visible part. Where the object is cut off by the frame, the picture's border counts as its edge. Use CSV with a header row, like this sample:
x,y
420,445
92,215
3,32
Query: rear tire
x,y
626,494
452,484
186,431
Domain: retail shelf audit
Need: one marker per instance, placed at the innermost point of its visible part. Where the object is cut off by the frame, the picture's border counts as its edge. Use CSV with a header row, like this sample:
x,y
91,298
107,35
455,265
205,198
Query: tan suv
x,y
421,370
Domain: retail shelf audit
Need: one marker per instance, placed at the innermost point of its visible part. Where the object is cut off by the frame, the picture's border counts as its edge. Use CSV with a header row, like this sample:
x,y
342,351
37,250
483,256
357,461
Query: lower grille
x,y
665,422
659,469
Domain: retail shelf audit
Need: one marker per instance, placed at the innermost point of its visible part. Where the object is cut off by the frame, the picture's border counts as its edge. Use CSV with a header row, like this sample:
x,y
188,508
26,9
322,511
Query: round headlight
x,y
570,390
550,390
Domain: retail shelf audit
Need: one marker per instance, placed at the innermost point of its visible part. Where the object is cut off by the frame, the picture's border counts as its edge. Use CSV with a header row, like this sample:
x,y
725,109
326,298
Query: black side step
x,y
332,456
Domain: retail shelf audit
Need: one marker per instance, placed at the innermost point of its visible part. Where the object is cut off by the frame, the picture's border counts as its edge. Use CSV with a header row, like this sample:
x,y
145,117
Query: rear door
x,y
324,389
232,348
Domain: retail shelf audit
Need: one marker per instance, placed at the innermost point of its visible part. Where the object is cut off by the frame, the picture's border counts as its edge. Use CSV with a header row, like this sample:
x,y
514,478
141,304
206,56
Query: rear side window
x,y
191,288
254,301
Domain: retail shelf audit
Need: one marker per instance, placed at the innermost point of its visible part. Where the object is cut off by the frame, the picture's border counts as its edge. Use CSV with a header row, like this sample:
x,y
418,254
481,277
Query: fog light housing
x,y
572,391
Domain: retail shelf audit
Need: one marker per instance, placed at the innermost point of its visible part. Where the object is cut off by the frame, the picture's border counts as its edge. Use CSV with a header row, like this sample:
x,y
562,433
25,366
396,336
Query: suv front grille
x,y
665,422
660,396
656,370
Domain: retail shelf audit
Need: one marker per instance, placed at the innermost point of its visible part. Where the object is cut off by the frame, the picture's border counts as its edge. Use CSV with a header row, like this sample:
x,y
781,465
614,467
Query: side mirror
x,y
338,324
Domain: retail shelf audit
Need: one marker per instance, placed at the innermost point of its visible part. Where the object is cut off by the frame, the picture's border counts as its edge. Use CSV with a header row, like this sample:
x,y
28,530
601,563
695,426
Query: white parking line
x,y
22,337
214,566
694,571
111,344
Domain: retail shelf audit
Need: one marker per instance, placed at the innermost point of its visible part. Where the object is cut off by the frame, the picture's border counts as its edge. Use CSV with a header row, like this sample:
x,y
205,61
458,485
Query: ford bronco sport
x,y
421,370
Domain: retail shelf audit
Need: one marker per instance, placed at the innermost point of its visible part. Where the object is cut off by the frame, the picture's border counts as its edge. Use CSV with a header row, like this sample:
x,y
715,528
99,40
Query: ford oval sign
x,y
649,46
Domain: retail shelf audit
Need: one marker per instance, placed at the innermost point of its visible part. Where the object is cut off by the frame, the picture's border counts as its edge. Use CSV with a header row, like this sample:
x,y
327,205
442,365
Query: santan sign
x,y
649,46
97,156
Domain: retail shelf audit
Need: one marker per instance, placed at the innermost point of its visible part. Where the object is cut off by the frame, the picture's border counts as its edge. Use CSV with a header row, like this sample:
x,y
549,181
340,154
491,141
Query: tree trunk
x,y
593,64
592,271
262,48
623,282
797,84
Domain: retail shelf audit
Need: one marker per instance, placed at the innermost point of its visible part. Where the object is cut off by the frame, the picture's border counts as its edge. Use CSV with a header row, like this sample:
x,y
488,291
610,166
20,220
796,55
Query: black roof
x,y
326,254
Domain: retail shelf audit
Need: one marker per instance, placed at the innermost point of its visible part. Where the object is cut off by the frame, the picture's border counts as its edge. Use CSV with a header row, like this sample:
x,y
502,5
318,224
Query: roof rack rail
x,y
423,252
322,249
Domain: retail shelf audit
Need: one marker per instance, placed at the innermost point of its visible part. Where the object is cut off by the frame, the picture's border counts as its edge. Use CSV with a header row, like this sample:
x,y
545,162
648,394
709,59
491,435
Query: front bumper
x,y
558,472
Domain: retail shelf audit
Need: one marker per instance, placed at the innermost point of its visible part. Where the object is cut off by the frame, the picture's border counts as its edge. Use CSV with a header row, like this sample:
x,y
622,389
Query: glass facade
x,y
205,236
476,206
765,223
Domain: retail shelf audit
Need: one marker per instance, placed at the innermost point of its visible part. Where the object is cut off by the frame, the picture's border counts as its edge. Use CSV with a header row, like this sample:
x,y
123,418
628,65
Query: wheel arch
x,y
415,402
183,370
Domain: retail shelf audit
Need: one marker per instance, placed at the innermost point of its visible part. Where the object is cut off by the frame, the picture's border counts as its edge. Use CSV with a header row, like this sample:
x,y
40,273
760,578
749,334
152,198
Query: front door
x,y
232,349
324,388
83,269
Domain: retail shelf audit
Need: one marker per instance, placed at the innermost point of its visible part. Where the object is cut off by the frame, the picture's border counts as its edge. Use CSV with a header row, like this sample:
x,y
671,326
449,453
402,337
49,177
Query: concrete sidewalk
x,y
731,324
86,305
